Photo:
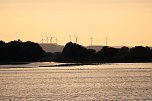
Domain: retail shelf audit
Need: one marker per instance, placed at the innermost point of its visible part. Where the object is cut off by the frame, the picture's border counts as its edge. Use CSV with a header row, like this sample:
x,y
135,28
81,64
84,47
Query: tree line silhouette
x,y
18,51
73,51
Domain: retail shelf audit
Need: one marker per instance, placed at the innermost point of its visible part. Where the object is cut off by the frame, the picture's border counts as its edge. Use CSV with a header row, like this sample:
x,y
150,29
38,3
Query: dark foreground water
x,y
105,82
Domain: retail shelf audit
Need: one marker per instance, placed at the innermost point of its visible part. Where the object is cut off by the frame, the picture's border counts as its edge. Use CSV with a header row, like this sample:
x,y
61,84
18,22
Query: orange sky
x,y
127,22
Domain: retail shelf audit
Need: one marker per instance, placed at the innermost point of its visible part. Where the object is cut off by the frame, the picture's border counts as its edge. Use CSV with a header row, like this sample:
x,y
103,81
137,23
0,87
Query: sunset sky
x,y
126,22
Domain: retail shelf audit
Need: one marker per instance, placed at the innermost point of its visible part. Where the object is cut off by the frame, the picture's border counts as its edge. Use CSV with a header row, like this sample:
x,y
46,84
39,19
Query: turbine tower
x,y
106,40
47,38
91,39
76,39
51,39
56,39
70,37
42,39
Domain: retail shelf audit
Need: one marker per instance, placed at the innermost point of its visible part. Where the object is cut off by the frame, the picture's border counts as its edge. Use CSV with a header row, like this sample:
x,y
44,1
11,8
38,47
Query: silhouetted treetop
x,y
107,53
20,51
73,50
138,53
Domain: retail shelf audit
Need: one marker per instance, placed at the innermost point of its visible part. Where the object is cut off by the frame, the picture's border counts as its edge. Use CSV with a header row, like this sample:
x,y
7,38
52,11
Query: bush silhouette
x,y
73,50
20,51
123,53
140,53
107,53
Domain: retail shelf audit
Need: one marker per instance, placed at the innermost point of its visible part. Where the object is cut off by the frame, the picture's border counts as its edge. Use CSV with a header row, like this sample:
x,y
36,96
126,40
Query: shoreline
x,y
75,62
65,64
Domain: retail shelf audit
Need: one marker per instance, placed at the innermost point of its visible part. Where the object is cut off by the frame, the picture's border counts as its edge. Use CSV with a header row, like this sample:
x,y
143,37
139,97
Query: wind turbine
x,y
76,39
56,39
47,38
42,39
51,39
70,37
91,39
106,40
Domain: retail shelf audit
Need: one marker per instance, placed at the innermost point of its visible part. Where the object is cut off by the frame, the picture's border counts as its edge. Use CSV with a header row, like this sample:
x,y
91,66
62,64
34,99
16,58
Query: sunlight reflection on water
x,y
129,81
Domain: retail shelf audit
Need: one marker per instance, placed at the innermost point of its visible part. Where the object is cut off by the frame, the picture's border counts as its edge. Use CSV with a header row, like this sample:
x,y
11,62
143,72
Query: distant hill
x,y
58,48
51,47
97,48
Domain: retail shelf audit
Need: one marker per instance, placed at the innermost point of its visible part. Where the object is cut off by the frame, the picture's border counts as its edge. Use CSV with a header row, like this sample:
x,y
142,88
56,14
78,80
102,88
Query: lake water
x,y
104,82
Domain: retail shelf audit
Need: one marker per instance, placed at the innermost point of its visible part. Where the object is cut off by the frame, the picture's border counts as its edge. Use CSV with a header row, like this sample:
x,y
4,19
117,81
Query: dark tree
x,y
140,53
123,53
3,50
107,53
20,51
73,50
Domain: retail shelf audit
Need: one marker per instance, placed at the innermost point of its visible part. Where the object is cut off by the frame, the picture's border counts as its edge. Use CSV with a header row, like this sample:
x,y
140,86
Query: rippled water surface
x,y
104,82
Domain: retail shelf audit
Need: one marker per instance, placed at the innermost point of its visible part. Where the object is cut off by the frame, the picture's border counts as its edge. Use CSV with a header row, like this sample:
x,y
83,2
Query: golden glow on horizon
x,y
127,22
